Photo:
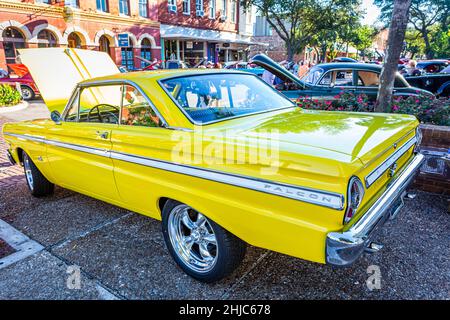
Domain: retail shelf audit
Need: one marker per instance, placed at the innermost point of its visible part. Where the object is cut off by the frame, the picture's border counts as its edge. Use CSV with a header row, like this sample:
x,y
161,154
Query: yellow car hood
x,y
56,71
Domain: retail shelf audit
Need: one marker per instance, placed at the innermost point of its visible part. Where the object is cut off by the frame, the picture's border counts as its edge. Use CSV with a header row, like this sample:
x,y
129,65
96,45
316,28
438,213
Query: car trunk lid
x,y
56,71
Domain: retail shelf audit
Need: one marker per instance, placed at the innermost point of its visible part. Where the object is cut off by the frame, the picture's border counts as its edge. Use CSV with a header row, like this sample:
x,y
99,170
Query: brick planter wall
x,y
435,173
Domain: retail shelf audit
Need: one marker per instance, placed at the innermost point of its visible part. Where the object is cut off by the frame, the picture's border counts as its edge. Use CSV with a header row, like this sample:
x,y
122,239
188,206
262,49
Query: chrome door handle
x,y
102,134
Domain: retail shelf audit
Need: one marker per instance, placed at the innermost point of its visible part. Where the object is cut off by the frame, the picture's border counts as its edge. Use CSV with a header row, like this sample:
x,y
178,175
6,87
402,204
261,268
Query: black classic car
x,y
326,81
438,83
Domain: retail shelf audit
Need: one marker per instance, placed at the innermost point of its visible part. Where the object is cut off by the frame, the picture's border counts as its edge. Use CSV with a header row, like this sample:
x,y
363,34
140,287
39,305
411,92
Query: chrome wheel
x,y
28,173
192,238
27,94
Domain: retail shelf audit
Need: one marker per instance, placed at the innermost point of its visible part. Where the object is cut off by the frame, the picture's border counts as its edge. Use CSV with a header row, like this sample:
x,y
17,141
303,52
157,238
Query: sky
x,y
372,12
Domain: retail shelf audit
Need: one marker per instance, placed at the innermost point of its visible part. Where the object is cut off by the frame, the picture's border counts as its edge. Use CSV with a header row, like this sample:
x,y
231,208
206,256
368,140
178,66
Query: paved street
x,y
121,255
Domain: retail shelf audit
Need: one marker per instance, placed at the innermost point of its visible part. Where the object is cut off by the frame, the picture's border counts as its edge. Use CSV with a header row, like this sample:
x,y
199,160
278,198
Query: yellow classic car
x,y
219,156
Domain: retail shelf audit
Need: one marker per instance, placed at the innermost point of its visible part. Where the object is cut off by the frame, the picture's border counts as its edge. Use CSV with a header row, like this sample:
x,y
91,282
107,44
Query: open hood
x,y
56,71
270,65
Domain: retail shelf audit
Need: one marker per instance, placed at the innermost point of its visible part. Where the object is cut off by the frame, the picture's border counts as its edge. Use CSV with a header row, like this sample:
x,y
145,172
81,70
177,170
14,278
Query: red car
x,y
23,77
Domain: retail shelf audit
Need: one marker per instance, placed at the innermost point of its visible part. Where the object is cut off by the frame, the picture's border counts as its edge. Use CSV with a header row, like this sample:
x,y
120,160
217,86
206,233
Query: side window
x,y
136,111
326,80
368,79
344,78
72,113
100,104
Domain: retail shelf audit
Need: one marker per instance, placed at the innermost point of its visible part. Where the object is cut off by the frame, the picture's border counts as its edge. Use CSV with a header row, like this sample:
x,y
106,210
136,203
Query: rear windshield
x,y
212,97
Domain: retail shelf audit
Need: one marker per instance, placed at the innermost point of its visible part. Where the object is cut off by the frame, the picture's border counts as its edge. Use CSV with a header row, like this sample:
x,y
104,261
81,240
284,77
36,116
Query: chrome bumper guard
x,y
343,248
10,157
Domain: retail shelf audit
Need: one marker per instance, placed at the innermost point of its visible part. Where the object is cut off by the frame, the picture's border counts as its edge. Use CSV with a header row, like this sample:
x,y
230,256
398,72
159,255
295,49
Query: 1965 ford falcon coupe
x,y
219,156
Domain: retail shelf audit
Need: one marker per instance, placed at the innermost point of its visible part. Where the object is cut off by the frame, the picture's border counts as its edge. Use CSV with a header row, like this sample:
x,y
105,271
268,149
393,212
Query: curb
x,y
22,105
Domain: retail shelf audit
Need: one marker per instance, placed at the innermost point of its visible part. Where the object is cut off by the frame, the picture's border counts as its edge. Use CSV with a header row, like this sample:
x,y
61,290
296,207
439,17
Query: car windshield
x,y
212,97
312,75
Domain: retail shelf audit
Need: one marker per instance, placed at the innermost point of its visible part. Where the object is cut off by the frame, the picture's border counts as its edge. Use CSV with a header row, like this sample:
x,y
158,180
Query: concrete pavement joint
x,y
104,291
83,234
226,295
23,245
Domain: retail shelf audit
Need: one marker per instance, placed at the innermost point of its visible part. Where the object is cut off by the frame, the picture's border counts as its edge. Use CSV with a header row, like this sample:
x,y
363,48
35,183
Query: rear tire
x,y
39,185
202,248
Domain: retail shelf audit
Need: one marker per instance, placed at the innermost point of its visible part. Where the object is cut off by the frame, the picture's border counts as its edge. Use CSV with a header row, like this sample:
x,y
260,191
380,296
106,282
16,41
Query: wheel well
x,y
20,154
161,203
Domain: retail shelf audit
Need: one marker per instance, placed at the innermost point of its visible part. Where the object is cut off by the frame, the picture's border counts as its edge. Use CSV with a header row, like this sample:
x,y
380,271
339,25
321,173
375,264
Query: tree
x,y
302,22
362,38
424,15
397,30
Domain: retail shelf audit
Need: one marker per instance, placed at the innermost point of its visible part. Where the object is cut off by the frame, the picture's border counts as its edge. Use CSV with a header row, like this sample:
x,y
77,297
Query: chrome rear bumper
x,y
343,248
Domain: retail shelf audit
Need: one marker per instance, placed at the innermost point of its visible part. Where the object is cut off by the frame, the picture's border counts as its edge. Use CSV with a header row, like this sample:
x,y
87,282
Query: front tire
x,y
27,93
39,185
202,248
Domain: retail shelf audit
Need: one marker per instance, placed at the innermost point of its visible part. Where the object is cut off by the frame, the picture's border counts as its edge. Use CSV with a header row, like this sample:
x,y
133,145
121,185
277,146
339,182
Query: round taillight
x,y
355,195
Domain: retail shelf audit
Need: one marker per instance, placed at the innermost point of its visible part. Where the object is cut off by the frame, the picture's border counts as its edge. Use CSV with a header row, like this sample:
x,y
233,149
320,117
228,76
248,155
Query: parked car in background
x,y
437,83
124,138
344,59
244,66
18,73
432,66
326,81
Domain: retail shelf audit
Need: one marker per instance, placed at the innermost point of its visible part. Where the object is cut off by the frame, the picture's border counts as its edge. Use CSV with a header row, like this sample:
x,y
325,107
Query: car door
x,y
140,138
334,83
368,83
78,148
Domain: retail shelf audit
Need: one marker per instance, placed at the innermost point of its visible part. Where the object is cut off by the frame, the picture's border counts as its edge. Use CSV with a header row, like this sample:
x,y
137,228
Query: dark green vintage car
x,y
326,81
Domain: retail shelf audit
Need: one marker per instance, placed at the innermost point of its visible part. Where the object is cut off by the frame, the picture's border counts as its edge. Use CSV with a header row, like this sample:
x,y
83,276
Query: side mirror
x,y
56,117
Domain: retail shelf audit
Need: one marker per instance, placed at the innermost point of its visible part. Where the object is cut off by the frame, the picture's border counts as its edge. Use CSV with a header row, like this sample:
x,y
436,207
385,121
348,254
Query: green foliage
x,y
426,109
430,20
9,96
309,22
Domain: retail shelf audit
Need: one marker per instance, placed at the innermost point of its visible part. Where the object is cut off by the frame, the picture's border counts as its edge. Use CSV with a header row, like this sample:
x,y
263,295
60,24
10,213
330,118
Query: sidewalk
x,y
88,249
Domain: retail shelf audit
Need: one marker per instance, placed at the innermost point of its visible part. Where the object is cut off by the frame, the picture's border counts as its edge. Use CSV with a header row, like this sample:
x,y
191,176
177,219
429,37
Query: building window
x,y
124,7
223,9
105,44
233,10
102,5
172,5
146,52
71,3
46,39
199,8
212,9
186,6
74,41
127,58
43,1
12,40
143,8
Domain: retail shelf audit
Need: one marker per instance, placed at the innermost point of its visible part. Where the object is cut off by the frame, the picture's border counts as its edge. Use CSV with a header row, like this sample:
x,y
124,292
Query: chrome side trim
x,y
322,198
383,167
25,137
343,248
317,197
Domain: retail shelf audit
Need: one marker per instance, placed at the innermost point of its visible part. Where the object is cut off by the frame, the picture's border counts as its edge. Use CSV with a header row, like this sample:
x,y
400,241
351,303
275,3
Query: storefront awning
x,y
183,33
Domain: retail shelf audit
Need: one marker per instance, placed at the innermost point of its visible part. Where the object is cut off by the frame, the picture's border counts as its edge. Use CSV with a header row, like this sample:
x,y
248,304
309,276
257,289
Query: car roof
x,y
160,74
349,65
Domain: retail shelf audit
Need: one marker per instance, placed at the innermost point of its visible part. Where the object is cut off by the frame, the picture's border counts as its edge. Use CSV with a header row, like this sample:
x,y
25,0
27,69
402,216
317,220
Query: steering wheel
x,y
100,118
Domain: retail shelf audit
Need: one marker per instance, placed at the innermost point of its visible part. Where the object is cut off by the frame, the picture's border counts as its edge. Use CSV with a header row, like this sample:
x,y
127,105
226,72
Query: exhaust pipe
x,y
373,247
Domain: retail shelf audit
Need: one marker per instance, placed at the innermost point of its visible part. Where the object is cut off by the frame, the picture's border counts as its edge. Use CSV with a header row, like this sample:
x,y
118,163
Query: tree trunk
x,y
396,36
290,51
428,50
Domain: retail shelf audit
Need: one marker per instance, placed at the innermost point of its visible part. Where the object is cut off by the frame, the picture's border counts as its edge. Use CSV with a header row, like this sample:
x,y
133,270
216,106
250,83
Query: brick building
x,y
193,29
88,24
